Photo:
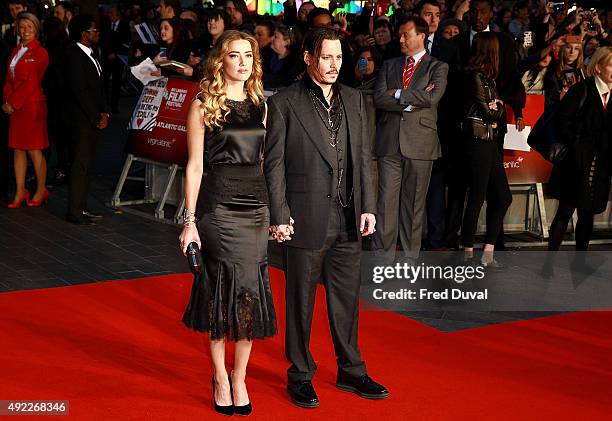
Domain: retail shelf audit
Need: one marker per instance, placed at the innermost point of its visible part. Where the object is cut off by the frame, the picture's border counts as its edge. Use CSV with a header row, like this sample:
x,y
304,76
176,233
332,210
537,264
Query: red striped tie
x,y
408,71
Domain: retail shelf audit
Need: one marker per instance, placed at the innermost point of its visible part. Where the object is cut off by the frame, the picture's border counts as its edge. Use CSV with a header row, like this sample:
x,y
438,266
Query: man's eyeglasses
x,y
92,30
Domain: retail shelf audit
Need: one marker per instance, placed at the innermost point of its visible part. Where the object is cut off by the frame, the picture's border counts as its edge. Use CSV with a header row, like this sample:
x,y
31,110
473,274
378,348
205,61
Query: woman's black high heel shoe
x,y
224,410
243,410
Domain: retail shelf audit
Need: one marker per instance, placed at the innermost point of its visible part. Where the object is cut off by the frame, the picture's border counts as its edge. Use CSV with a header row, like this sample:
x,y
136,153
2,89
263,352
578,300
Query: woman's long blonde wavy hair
x,y
212,86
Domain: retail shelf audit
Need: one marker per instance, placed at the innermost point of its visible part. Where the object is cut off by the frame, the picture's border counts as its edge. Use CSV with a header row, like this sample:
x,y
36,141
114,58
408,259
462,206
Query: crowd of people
x,y
543,48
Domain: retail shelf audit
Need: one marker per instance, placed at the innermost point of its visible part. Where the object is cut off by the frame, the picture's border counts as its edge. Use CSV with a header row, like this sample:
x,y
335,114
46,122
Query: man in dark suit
x,y
116,42
87,112
10,36
319,174
448,121
407,93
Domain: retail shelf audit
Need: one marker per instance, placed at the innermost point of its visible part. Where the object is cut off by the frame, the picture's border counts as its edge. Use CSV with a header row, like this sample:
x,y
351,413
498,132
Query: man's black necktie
x,y
98,67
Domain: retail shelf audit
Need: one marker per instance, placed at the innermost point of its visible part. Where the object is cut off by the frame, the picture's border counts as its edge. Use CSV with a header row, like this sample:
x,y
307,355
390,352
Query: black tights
x,y
583,230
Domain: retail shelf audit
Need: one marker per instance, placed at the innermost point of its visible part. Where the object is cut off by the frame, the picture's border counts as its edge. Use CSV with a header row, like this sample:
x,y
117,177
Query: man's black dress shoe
x,y
303,394
363,386
79,221
92,215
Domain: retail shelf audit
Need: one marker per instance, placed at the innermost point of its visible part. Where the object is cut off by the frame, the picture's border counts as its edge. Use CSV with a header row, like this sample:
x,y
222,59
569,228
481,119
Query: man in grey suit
x,y
407,91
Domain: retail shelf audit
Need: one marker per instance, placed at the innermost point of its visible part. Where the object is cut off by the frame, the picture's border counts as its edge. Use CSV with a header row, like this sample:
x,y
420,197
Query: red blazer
x,y
26,85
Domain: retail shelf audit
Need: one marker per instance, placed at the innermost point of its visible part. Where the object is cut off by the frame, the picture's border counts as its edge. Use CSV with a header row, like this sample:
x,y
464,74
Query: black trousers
x,y
457,190
436,205
486,179
85,140
583,231
337,266
59,135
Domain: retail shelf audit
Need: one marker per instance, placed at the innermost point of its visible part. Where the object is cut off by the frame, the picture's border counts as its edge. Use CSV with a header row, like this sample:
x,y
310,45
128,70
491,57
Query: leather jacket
x,y
481,91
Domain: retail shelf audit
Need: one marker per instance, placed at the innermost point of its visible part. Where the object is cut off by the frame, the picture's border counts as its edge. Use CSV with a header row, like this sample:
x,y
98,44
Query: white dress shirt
x,y
473,33
429,42
602,88
89,53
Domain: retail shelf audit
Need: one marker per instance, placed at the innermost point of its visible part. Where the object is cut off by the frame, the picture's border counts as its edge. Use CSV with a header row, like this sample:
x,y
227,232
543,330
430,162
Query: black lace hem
x,y
225,311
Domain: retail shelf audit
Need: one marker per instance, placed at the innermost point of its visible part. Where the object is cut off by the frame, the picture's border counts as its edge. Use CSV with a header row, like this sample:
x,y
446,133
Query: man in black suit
x,y
116,42
448,122
10,36
319,174
510,89
87,112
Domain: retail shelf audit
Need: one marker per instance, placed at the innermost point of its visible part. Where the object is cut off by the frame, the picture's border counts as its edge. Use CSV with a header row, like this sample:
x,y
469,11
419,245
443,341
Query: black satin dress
x,y
231,298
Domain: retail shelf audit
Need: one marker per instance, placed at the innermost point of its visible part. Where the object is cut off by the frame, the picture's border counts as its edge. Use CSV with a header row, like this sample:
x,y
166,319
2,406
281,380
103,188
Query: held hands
x,y
520,124
189,235
282,233
367,225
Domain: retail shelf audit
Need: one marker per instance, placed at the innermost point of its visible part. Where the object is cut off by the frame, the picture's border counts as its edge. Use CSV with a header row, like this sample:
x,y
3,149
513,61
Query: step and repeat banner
x,y
158,130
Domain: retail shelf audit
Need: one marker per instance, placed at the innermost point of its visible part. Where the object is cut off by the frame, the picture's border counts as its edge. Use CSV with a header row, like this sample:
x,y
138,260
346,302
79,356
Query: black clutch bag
x,y
194,258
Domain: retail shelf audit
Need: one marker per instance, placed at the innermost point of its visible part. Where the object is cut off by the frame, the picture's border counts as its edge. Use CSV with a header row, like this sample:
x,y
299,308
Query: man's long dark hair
x,y
485,54
313,42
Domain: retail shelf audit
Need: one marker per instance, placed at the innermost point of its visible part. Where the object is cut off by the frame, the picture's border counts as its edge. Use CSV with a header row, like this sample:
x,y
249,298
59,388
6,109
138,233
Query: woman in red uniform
x,y
25,102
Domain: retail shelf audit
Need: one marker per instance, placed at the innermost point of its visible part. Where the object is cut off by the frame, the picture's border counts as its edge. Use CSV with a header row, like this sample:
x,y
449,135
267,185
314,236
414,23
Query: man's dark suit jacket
x,y
85,89
116,42
508,82
299,163
449,114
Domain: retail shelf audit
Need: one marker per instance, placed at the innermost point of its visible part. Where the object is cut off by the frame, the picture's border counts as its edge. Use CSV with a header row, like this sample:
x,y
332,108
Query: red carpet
x,y
117,351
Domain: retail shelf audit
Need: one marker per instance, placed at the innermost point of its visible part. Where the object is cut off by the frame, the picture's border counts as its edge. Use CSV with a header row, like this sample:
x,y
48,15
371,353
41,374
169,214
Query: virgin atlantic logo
x,y
516,163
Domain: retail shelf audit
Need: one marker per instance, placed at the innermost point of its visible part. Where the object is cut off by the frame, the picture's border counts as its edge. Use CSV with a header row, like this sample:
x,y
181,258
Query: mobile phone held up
x,y
362,65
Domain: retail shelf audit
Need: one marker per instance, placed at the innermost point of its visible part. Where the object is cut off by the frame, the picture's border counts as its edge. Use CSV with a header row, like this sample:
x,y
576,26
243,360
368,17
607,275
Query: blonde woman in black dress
x,y
231,298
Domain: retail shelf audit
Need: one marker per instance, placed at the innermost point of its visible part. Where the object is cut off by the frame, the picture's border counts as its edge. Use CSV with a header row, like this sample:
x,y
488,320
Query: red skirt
x,y
28,127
